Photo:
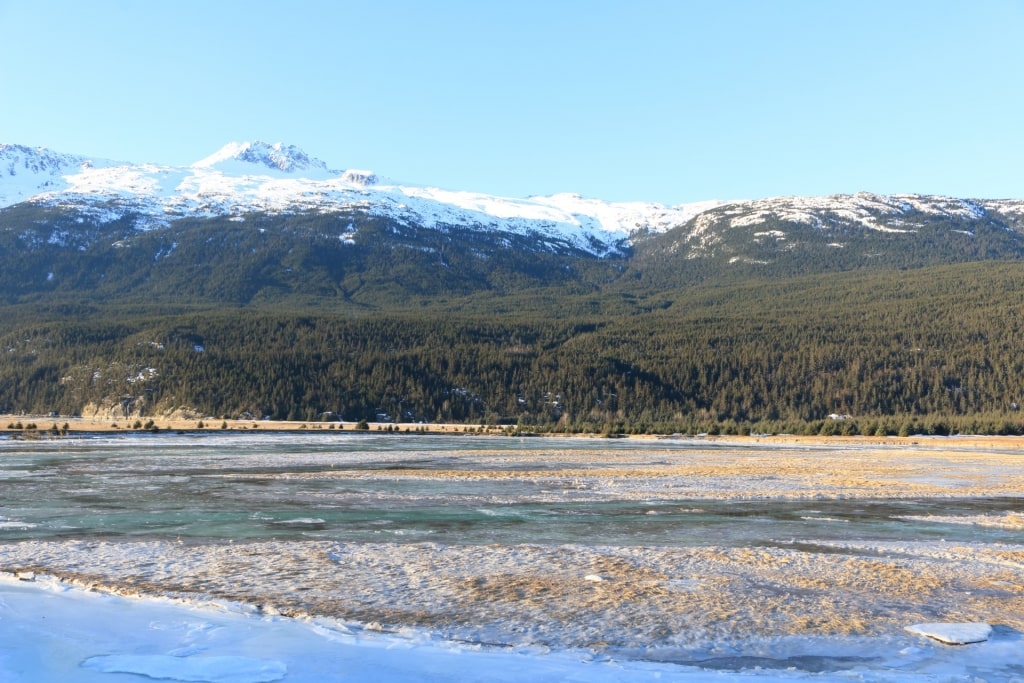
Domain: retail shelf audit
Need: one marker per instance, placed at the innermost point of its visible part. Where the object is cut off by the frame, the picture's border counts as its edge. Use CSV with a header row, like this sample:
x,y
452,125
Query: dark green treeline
x,y
935,350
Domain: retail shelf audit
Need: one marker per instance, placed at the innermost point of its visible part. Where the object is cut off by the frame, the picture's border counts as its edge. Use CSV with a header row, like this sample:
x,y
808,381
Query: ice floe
x,y
954,633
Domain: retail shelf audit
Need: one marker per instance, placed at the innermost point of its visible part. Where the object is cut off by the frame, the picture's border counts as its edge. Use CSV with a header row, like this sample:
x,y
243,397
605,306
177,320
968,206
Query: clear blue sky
x,y
658,100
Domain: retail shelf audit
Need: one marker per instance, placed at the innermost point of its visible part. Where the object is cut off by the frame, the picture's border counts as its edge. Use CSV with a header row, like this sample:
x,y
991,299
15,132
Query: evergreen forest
x,y
933,349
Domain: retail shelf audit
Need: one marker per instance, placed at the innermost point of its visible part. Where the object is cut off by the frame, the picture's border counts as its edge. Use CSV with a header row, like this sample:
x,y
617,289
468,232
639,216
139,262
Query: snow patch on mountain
x,y
881,213
729,227
28,171
1010,208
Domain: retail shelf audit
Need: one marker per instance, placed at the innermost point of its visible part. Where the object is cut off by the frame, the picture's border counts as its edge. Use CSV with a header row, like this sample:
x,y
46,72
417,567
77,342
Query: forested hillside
x,y
849,313
934,349
52,256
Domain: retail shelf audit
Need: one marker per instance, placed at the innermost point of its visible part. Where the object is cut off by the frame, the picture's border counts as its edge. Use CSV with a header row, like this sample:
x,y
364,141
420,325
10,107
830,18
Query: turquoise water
x,y
221,486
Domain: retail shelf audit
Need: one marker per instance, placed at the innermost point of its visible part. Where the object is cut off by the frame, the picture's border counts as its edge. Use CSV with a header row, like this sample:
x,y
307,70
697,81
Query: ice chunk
x,y
954,633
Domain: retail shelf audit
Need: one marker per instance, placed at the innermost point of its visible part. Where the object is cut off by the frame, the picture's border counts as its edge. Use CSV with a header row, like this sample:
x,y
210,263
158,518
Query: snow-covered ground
x,y
50,633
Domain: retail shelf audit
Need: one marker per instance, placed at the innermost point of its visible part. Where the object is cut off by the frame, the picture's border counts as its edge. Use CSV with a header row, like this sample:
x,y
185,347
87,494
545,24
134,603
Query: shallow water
x,y
369,488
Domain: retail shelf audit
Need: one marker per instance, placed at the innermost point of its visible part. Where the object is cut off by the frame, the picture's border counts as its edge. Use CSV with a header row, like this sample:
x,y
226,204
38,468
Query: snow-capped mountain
x,y
245,178
753,231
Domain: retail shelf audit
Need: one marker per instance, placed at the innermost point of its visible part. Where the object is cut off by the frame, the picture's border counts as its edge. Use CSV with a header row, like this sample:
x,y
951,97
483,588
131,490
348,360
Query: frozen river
x,y
669,551
456,490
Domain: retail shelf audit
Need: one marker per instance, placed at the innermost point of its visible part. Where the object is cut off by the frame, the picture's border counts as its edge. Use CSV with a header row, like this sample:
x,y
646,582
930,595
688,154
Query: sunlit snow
x,y
244,177
249,177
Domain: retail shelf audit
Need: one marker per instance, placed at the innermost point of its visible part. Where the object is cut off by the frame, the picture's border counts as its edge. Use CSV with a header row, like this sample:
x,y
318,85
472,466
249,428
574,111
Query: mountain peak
x,y
237,157
22,159
28,171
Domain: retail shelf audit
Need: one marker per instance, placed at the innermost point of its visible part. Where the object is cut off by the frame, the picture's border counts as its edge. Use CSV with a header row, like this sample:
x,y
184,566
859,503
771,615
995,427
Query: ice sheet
x,y
51,633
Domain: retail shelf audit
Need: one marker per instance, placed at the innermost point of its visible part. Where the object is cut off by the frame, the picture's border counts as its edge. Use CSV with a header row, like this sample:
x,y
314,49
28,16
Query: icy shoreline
x,y
50,631
720,606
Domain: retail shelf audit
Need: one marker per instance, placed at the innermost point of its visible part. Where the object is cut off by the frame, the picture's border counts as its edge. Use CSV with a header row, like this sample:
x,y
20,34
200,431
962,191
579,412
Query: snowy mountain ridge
x,y
243,178
884,213
779,220
256,177
26,172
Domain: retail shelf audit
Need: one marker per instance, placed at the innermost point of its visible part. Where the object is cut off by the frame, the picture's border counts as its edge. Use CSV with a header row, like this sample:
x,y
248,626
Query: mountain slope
x,y
259,281
255,222
795,235
28,172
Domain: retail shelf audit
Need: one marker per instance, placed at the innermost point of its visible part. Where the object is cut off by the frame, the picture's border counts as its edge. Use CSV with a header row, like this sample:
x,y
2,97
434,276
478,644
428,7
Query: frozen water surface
x,y
454,490
696,558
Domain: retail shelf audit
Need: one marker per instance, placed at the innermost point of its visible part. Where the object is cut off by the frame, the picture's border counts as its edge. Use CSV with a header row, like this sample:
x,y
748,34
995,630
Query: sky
x,y
668,101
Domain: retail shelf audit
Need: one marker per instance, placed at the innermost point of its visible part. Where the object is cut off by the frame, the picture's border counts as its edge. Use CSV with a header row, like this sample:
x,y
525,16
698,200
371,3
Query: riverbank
x,y
52,632
62,424
40,426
